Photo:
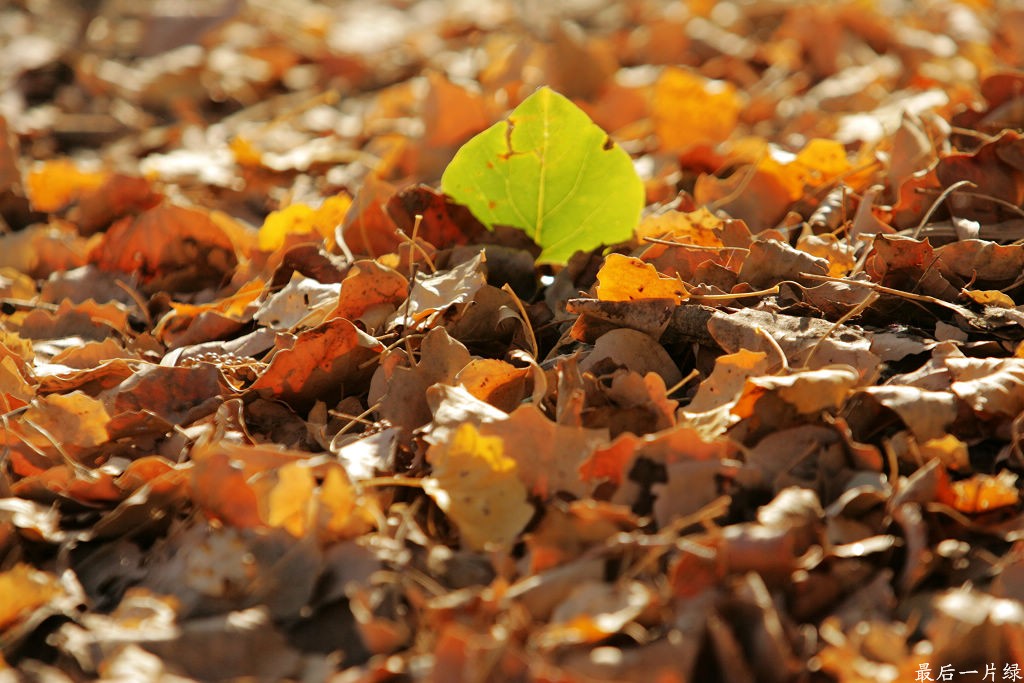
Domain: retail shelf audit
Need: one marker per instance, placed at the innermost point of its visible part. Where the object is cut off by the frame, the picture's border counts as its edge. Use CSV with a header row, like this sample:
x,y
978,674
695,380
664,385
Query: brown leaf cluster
x,y
276,409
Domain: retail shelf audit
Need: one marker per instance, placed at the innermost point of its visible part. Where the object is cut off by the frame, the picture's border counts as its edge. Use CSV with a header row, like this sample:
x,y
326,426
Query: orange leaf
x,y
76,421
183,248
368,230
981,493
220,489
369,285
287,497
341,512
321,359
501,384
451,113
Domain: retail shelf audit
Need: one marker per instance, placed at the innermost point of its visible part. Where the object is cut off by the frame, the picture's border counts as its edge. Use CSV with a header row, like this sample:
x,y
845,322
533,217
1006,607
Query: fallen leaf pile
x,y
512,341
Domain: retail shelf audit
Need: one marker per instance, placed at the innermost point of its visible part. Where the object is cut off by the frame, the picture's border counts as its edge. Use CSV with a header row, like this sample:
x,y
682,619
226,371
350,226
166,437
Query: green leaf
x,y
552,172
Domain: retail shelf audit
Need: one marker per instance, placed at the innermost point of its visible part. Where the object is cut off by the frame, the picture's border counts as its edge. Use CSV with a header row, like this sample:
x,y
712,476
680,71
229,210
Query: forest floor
x,y
507,340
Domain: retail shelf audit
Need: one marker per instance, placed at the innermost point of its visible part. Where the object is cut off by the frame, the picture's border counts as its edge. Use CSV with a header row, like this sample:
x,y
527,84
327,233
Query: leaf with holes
x,y
552,172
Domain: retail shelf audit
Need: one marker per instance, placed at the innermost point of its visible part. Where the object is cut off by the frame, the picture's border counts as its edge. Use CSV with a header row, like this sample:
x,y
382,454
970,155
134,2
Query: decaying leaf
x,y
307,373
477,485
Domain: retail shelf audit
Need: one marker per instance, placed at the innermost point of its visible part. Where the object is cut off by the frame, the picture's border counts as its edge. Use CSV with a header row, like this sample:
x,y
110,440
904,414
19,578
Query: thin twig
x,y
774,344
889,290
868,300
137,298
354,421
706,247
938,200
530,336
737,295
24,303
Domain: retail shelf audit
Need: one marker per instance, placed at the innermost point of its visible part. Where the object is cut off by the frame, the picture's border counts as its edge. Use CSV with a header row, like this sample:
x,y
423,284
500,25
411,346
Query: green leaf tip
x,y
550,171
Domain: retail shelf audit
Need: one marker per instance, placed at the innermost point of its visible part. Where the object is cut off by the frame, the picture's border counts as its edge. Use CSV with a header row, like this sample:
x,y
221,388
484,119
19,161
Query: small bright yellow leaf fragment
x,y
290,502
301,220
990,297
477,486
52,185
820,162
625,278
246,154
23,590
692,110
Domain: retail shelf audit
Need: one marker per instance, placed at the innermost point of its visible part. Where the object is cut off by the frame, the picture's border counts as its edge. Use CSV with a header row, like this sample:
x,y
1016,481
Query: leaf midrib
x,y
539,228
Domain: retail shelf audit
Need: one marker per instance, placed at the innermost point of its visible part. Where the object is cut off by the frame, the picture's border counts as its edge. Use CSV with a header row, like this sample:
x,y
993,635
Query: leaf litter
x,y
276,407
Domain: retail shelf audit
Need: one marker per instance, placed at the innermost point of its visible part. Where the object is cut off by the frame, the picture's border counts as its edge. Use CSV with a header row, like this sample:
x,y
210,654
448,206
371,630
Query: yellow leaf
x,y
290,502
302,220
692,110
342,513
477,486
76,421
990,297
982,492
23,590
625,278
52,185
700,227
245,152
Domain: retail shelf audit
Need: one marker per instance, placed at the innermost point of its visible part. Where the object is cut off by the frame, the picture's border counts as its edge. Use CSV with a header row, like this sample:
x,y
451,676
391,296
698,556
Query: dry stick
x,y
706,247
349,416
995,200
772,342
414,244
355,420
737,295
889,290
394,480
1015,432
86,473
23,303
938,200
137,298
683,382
